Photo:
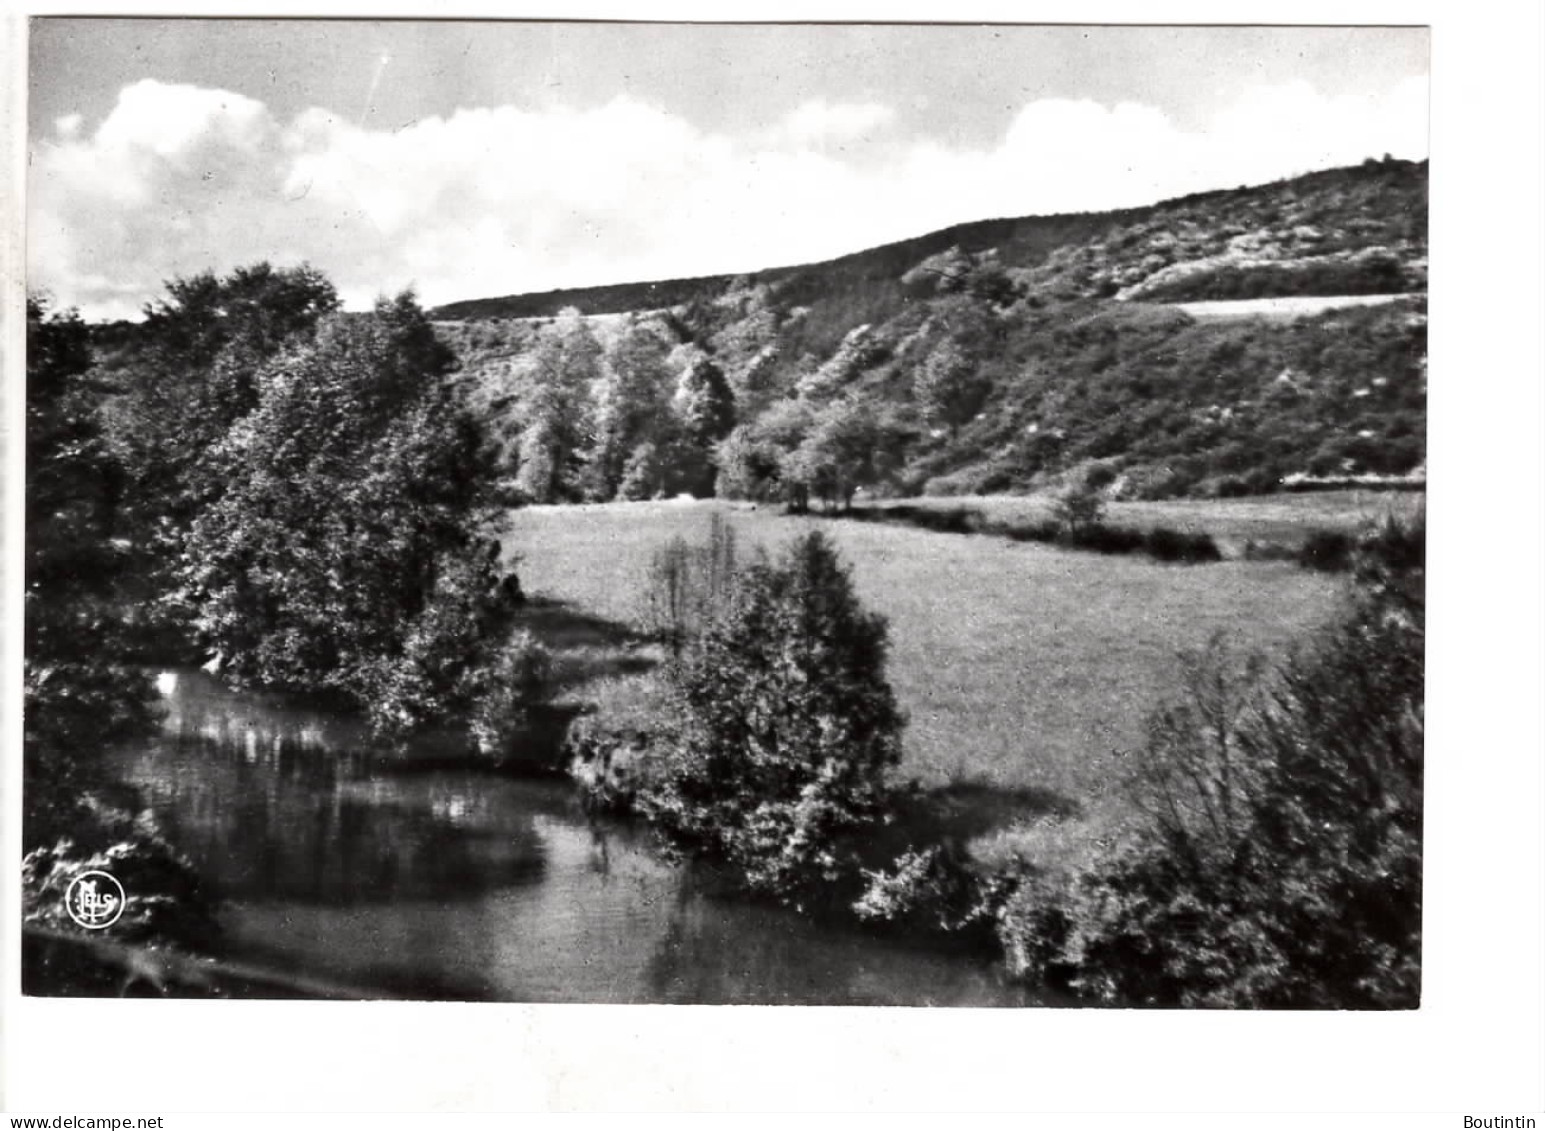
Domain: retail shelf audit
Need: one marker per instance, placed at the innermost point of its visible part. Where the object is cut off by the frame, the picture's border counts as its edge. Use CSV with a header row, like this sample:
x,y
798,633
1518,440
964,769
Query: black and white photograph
x,y
642,513
859,515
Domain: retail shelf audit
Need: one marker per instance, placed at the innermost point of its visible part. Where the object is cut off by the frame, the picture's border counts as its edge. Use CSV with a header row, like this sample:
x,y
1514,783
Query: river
x,y
463,884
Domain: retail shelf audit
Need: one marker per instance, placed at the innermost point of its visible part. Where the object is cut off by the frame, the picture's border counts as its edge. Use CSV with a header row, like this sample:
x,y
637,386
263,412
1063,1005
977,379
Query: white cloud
x,y
824,123
502,199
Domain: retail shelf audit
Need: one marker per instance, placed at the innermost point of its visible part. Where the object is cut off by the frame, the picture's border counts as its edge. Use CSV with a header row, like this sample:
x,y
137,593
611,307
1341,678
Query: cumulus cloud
x,y
501,199
824,123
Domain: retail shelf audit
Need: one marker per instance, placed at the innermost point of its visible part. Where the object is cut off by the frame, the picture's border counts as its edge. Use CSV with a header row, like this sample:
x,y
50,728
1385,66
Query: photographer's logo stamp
x,y
94,900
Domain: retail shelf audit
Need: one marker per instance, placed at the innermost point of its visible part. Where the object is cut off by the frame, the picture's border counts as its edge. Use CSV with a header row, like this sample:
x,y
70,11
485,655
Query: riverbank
x,y
466,883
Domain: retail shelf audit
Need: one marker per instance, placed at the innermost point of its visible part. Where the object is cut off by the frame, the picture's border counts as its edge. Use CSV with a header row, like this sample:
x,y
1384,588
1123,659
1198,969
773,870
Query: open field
x,y
1284,519
1020,665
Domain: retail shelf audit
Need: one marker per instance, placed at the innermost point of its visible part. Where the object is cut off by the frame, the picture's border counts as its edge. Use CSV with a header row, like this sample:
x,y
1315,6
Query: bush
x,y
166,901
1278,862
942,520
1327,550
1045,530
1105,539
520,679
1169,545
686,585
785,727
1079,508
932,889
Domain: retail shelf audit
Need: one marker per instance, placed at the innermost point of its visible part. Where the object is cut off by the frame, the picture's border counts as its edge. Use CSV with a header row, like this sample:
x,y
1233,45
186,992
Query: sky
x,y
470,159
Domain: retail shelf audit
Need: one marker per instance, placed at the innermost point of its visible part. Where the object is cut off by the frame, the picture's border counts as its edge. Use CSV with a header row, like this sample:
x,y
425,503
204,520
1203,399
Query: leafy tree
x,y
645,474
749,466
858,352
1079,508
787,726
759,460
845,449
78,697
632,407
346,554
949,386
956,272
189,373
558,377
705,411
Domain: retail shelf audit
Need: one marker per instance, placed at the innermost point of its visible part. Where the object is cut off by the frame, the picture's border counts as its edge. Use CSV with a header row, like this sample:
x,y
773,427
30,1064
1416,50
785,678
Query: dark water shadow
x,y
585,646
965,810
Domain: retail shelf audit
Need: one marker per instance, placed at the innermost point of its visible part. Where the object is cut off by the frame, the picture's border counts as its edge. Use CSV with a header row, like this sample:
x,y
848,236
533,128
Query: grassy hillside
x,y
1015,355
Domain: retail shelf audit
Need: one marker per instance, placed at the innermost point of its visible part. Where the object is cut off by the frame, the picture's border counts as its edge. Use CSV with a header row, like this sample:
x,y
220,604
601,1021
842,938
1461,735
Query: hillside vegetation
x,y
997,357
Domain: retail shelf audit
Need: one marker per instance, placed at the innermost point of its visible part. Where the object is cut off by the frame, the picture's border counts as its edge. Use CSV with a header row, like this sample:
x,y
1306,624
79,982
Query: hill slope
x,y
1006,354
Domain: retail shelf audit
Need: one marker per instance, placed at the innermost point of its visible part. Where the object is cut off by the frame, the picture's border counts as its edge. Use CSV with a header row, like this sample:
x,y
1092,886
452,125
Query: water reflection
x,y
456,883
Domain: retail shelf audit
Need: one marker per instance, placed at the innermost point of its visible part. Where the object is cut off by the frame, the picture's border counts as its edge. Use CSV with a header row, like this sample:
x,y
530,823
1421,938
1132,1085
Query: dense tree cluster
x,y
80,695
784,727
345,552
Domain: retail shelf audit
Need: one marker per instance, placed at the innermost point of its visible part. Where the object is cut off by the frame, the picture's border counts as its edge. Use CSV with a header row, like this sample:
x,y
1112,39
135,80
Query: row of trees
x,y
576,420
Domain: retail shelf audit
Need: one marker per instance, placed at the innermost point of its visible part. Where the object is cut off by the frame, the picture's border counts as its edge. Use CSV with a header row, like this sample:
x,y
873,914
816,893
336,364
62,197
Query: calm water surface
x,y
464,884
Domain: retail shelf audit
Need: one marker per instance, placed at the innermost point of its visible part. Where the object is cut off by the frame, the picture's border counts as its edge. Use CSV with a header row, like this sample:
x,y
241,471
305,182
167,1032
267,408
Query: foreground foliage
x,y
79,697
1278,859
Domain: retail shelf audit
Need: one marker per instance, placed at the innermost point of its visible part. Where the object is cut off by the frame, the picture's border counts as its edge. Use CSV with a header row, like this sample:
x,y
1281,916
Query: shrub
x,y
1279,859
1044,530
944,520
1105,539
520,679
687,583
785,727
1079,508
608,763
1327,550
1169,545
1267,551
928,889
166,901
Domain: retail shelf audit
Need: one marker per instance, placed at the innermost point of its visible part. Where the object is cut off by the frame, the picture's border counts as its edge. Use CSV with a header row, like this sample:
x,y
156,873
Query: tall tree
x,y
77,699
633,405
787,725
949,386
705,410
559,377
189,373
347,553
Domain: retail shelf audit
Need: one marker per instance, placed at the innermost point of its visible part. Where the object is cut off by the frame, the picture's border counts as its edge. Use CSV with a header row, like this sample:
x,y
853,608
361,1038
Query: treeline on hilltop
x,y
965,371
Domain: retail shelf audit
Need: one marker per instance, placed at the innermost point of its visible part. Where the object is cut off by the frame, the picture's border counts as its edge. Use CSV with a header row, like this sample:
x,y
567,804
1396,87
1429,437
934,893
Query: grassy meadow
x,y
1022,666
